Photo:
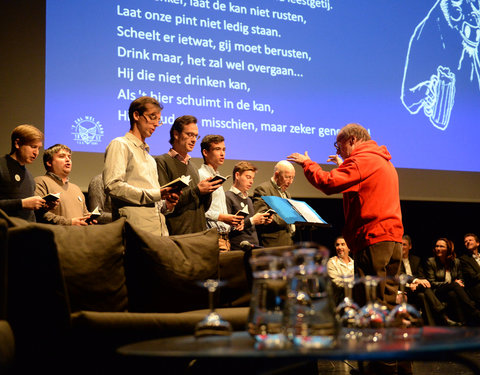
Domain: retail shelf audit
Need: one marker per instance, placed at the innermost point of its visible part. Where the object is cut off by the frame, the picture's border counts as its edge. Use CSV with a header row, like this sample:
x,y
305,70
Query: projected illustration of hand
x,y
454,26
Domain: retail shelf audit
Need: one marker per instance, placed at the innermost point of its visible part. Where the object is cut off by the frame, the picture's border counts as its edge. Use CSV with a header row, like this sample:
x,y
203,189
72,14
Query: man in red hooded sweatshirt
x,y
373,219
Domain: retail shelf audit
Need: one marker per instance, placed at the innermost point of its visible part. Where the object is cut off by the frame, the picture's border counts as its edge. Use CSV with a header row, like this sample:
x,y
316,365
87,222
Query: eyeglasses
x,y
337,147
154,118
192,135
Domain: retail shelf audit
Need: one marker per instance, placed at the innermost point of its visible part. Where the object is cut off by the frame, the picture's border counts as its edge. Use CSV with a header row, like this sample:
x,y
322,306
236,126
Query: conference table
x,y
239,353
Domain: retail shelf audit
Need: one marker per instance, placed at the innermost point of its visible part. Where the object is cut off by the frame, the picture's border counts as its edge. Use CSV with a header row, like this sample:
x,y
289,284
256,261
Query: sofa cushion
x,y
236,290
91,258
164,273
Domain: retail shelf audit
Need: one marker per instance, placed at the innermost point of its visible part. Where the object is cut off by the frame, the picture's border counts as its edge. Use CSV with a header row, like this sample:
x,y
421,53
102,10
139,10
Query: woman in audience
x,y
445,276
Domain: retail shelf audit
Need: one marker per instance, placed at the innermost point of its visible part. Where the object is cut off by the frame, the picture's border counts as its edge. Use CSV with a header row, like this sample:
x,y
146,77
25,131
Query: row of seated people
x,y
445,288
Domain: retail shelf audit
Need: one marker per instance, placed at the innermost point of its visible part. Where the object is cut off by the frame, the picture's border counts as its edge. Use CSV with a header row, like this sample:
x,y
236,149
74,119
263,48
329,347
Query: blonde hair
x,y
25,134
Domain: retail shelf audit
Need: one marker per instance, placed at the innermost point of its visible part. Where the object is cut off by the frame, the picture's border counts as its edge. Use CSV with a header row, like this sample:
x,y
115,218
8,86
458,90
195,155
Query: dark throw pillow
x,y
91,259
164,273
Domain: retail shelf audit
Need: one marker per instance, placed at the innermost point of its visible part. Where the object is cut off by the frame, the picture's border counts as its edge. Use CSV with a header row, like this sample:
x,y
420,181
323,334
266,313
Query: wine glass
x,y
347,310
404,318
372,315
212,324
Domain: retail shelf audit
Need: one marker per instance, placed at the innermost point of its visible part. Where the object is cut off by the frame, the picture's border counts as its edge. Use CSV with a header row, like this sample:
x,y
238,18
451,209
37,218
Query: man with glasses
x,y
277,232
130,174
195,199
373,219
371,203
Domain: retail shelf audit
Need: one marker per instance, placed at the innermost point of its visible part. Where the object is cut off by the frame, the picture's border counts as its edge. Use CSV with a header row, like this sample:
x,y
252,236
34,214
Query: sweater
x,y
371,201
189,213
16,183
71,204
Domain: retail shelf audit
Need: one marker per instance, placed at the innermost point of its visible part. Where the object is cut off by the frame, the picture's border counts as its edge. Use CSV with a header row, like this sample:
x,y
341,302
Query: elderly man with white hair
x,y
278,232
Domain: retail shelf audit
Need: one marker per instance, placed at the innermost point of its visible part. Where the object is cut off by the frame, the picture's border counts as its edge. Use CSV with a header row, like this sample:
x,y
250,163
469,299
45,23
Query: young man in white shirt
x,y
213,152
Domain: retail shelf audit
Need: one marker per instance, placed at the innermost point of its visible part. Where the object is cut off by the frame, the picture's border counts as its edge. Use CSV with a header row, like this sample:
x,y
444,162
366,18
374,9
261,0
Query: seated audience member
x,y
98,198
278,232
213,152
418,289
237,198
71,208
444,273
17,186
470,262
340,269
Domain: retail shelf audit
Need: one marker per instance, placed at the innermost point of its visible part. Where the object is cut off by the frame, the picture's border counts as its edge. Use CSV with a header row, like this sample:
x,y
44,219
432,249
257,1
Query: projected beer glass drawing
x,y
442,59
440,98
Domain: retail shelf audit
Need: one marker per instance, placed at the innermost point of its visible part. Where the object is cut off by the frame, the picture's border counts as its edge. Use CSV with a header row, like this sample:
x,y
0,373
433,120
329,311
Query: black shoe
x,y
451,323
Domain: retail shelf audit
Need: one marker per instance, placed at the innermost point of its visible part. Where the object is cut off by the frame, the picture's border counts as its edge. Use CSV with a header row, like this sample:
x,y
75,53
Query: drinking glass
x,y
212,324
309,313
404,319
347,311
268,298
371,317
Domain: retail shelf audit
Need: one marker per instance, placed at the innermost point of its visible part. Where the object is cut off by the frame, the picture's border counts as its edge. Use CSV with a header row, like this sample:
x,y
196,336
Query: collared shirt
x,y
236,191
339,271
477,258
406,264
130,177
283,195
176,155
219,203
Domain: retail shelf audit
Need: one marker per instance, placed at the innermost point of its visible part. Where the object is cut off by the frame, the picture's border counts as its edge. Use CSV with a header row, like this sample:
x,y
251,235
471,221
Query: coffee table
x,y
231,353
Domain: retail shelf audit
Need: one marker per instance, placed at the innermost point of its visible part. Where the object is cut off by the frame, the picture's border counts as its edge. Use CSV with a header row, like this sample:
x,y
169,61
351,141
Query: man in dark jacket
x,y
470,263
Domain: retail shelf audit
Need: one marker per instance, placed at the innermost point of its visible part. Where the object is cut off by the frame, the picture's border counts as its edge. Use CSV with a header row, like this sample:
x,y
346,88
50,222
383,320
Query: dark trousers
x,y
458,302
383,260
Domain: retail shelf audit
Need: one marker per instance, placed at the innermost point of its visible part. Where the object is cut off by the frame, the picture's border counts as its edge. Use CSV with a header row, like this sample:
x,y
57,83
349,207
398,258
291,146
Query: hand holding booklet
x,y
243,212
94,215
51,197
221,178
178,184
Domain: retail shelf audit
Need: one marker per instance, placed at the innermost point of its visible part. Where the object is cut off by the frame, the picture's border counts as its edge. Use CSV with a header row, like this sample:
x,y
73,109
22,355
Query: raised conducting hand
x,y
335,159
298,158
33,203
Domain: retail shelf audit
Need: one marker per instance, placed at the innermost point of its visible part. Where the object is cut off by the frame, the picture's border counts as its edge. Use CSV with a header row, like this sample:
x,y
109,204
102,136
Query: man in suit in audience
x,y
411,266
278,232
71,208
470,263
17,186
195,199
130,174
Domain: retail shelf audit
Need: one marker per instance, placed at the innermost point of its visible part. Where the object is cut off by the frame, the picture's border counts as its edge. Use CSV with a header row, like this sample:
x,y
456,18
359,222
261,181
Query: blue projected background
x,y
272,76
